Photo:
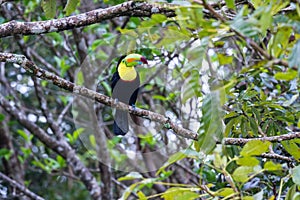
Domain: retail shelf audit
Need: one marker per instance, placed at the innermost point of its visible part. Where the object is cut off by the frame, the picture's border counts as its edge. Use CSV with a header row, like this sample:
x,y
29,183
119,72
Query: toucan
x,y
125,85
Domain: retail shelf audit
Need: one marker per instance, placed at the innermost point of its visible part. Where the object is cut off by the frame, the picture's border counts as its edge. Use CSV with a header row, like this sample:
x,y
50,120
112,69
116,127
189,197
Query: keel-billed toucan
x,y
125,87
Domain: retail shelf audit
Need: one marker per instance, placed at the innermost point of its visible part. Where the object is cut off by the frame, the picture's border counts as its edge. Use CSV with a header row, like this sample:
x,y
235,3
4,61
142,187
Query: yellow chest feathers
x,y
126,73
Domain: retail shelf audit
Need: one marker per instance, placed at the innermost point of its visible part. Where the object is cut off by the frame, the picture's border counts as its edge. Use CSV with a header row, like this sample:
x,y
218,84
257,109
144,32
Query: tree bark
x,y
130,8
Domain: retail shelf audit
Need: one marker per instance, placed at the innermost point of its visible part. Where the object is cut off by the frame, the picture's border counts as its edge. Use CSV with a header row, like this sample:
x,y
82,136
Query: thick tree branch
x,y
30,67
20,187
130,8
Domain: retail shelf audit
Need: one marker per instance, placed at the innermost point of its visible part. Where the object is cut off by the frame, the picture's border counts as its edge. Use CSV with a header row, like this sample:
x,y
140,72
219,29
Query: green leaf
x,y
5,153
220,162
2,117
230,4
255,147
247,161
158,18
195,54
64,99
229,126
256,3
231,115
212,122
248,198
241,174
286,76
155,20
63,67
141,195
92,140
250,94
296,175
23,134
61,161
224,59
224,192
49,7
159,97
244,126
171,37
196,145
178,193
172,159
80,78
191,87
278,6
129,32
71,6
70,138
128,191
106,87
265,20
256,23
77,133
291,193
292,148
131,176
26,151
253,126
279,41
271,166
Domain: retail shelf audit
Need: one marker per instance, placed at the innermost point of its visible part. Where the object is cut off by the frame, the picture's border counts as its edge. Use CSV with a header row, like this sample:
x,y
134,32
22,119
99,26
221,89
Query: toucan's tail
x,y
120,126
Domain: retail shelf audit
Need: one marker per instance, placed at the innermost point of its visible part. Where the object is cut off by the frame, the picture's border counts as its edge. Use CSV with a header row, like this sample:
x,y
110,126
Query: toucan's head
x,y
134,59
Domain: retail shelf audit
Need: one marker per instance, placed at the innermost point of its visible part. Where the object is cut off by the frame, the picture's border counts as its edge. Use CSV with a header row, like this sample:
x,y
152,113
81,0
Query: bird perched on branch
x,y
125,87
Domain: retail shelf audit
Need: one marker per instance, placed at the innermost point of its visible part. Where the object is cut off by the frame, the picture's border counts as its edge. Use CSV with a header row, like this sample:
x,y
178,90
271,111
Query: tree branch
x,y
130,8
279,138
276,157
20,187
60,147
30,67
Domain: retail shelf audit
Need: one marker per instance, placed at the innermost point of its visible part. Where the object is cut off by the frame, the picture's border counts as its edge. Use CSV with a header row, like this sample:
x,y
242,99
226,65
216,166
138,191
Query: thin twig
x,y
276,156
64,112
278,138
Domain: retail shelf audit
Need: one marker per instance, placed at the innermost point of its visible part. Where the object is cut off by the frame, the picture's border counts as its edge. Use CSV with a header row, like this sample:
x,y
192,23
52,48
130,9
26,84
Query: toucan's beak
x,y
134,59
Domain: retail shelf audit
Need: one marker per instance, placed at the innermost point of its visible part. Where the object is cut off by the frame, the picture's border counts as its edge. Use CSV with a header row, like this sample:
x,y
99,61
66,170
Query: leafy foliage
x,y
204,73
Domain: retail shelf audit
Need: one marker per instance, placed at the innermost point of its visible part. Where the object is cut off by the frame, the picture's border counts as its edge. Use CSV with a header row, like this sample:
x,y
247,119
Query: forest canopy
x,y
217,114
